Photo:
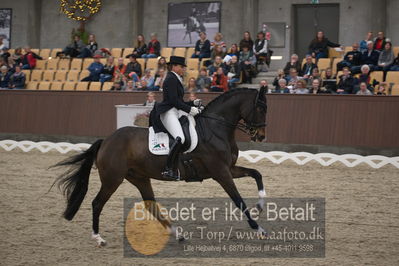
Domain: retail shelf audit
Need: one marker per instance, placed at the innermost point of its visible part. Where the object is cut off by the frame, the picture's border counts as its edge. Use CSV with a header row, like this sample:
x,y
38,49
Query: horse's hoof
x,y
99,240
101,244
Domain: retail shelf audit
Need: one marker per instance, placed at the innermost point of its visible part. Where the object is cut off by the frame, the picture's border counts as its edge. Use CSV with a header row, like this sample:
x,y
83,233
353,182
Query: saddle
x,y
159,143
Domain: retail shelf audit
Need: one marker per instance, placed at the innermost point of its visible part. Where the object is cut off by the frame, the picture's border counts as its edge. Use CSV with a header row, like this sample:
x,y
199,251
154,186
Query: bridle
x,y
250,128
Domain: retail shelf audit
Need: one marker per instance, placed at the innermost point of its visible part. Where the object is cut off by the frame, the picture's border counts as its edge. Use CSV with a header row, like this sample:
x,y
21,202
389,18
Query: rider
x,y
165,115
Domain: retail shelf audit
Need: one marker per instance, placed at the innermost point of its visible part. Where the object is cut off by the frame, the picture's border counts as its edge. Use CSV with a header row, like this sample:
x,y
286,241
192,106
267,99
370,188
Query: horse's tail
x,y
75,181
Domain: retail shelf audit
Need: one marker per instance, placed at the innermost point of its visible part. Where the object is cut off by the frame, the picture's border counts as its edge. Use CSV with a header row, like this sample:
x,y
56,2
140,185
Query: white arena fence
x,y
253,156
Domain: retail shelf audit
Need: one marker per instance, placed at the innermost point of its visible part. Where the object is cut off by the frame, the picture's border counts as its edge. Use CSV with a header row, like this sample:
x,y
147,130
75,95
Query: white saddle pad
x,y
158,143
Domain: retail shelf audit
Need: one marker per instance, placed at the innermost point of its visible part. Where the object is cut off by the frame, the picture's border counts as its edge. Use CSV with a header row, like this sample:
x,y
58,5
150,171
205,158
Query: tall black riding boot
x,y
172,163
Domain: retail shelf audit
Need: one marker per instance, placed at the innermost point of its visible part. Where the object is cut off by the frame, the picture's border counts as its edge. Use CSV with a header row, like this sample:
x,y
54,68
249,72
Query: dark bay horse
x,y
125,155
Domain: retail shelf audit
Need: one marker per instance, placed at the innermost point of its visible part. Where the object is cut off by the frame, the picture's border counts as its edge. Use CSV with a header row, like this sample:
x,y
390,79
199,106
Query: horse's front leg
x,y
238,172
225,179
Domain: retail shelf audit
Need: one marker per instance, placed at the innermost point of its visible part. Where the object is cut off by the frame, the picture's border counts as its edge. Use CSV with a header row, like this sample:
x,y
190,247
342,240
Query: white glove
x,y
197,102
194,111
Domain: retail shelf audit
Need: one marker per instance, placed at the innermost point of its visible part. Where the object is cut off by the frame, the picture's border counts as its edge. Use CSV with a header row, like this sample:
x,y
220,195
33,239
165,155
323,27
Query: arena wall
x,y
336,120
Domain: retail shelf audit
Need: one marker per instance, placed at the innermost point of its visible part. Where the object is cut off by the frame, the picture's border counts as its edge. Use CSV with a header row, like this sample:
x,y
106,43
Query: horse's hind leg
x,y
145,188
238,171
109,185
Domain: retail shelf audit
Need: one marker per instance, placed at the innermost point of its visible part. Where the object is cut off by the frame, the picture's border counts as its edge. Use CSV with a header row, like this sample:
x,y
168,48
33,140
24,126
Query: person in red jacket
x,y
219,81
28,59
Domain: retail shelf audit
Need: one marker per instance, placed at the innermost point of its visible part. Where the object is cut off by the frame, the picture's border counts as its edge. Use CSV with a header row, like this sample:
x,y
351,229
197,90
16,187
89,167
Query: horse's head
x,y
254,116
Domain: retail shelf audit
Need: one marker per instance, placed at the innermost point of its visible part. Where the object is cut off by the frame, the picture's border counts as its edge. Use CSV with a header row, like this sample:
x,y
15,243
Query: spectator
x,y
159,79
133,68
329,81
11,64
346,82
247,41
162,64
282,87
315,75
108,70
73,49
276,81
217,51
351,59
130,86
4,77
218,40
363,89
216,64
318,48
395,64
17,56
365,77
150,99
147,81
95,69
329,74
263,84
119,71
203,82
28,59
370,58
386,58
154,47
363,43
233,51
301,87
293,63
192,97
379,42
202,47
292,79
219,81
5,54
316,88
308,67
247,63
381,89
90,48
117,86
233,72
191,86
260,48
17,80
141,46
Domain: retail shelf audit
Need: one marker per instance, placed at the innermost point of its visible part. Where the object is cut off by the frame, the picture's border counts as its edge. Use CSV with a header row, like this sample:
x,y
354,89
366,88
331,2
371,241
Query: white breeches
x,y
170,120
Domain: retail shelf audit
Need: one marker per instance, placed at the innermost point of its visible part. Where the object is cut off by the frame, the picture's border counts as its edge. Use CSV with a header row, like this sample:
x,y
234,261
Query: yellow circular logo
x,y
144,232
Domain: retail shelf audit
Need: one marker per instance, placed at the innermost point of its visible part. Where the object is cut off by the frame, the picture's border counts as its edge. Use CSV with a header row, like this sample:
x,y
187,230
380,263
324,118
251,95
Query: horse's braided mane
x,y
224,96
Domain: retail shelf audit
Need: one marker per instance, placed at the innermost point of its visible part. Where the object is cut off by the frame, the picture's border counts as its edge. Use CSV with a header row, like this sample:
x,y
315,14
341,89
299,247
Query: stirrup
x,y
170,174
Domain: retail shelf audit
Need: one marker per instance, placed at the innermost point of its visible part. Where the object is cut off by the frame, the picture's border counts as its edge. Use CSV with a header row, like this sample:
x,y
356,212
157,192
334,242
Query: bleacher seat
x,y
52,64
73,75
190,52
152,63
141,61
64,64
32,85
48,75
191,74
377,75
180,51
107,86
87,62
393,77
76,64
45,53
192,64
127,51
27,74
395,90
202,64
82,86
95,86
324,63
60,75
116,52
36,51
41,64
56,86
54,52
102,61
332,53
44,86
36,75
334,65
69,86
83,74
347,49
166,52
395,50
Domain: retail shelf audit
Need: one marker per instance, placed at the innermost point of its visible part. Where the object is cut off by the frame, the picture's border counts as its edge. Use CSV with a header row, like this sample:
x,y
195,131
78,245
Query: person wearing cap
x,y
95,69
165,115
